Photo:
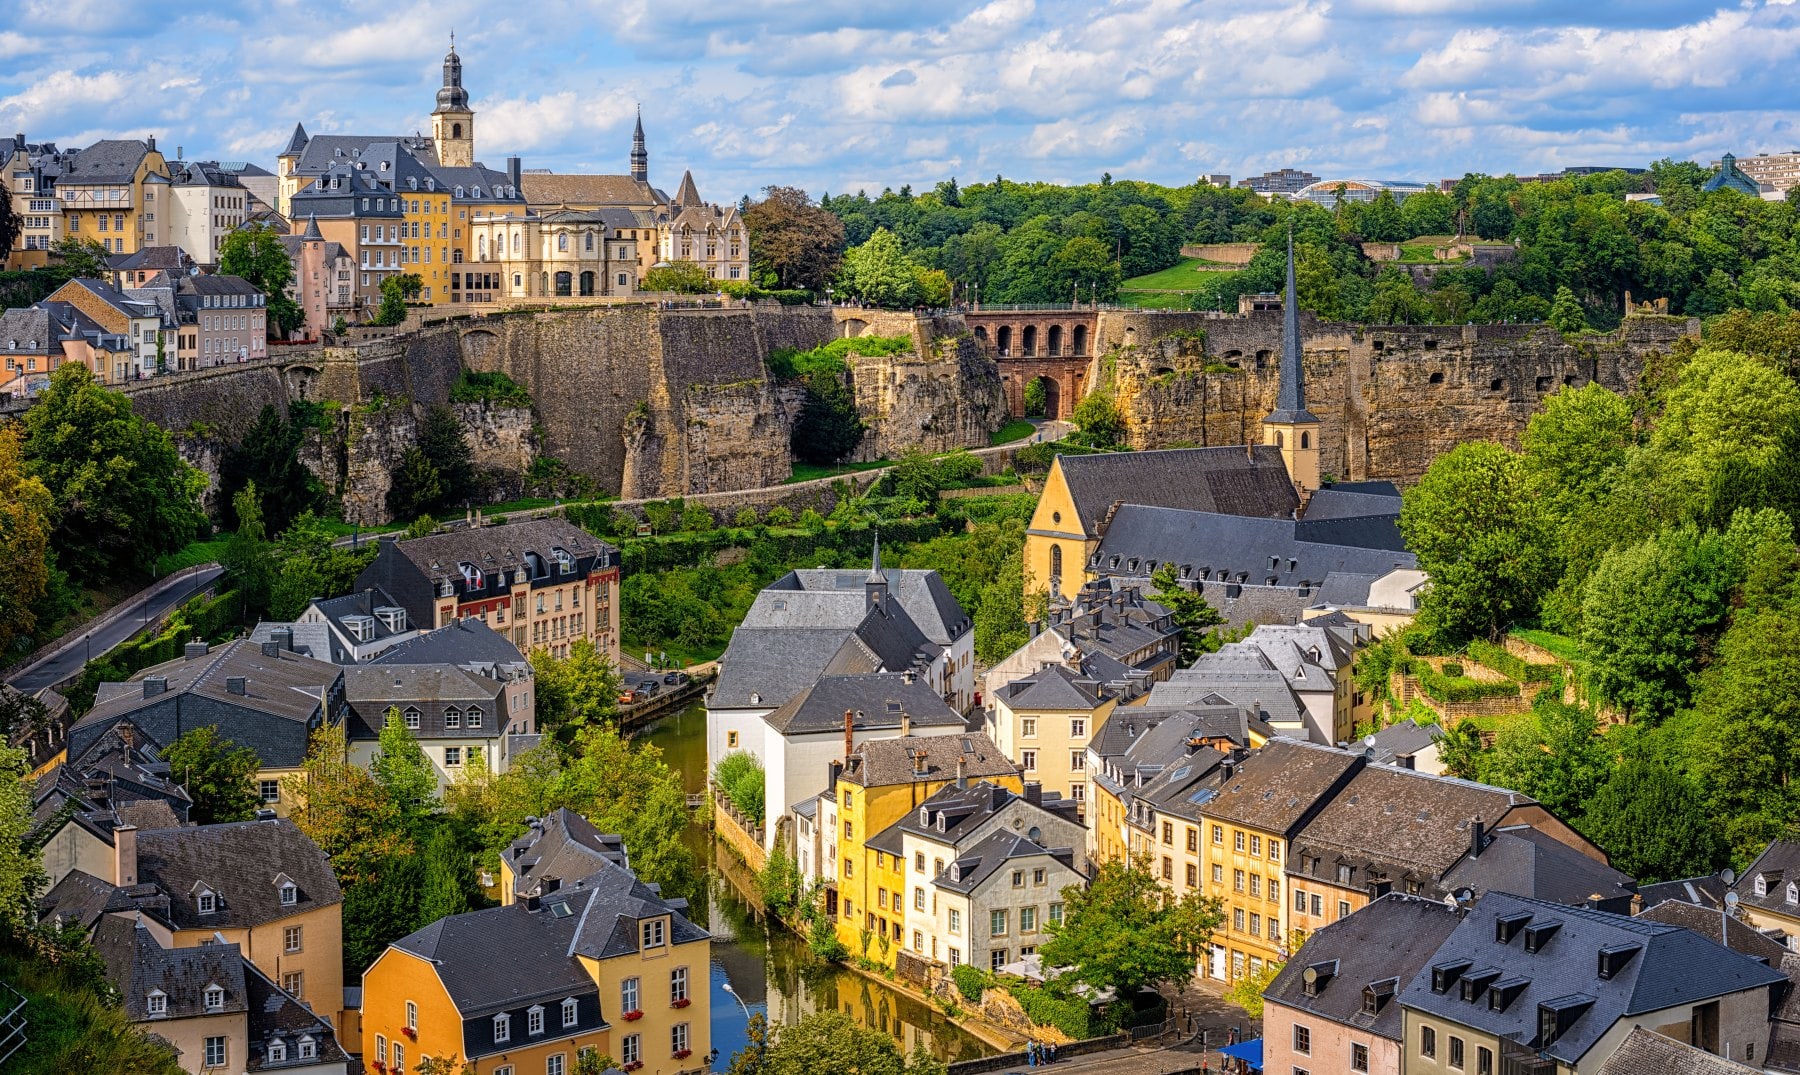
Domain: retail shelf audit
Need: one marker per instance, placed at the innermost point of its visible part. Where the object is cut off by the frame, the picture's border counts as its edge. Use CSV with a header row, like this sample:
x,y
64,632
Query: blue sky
x,y
837,95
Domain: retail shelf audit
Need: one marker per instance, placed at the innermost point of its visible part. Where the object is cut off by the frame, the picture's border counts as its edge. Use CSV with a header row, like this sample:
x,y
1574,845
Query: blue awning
x,y
1250,1051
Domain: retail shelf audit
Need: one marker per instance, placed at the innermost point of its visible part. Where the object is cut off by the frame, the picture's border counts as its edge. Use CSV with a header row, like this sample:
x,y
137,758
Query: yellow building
x,y
116,192
580,956
1045,721
882,781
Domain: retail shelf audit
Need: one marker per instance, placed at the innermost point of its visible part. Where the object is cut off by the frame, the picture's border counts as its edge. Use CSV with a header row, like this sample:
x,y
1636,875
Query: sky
x,y
844,95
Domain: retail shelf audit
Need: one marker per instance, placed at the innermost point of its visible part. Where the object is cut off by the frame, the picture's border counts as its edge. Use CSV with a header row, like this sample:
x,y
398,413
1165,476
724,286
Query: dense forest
x,y
1577,238
1651,539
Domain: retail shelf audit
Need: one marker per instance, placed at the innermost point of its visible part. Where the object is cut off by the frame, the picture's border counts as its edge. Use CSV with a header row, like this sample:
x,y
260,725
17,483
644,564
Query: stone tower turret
x,y
640,157
453,121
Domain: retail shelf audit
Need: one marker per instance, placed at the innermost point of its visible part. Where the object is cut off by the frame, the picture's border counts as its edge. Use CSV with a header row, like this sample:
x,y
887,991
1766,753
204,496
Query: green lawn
x,y
805,472
198,552
1423,254
1155,300
1016,429
635,647
1562,646
1181,276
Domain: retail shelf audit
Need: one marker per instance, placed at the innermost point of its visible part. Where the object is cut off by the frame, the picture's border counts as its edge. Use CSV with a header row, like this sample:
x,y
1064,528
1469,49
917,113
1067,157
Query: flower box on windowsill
x,y
682,1003
411,1032
683,1054
632,1015
634,1065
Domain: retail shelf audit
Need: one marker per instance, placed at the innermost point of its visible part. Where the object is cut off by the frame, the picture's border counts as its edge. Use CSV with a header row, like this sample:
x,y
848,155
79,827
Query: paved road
x,y
126,620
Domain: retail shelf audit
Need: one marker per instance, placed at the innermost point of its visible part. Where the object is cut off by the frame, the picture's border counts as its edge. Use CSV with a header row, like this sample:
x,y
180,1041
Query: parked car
x,y
648,687
629,696
675,679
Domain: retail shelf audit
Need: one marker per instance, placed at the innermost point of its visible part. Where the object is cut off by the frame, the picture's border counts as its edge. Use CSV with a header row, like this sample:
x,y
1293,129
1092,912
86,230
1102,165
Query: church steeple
x,y
453,121
640,157
876,585
1290,426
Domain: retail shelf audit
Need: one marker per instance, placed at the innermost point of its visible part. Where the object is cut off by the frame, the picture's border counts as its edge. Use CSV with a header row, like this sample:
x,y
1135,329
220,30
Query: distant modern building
x,y
1282,181
1731,177
1329,192
1773,171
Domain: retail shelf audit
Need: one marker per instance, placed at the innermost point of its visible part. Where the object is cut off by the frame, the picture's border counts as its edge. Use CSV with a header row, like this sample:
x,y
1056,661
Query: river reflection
x,y
770,968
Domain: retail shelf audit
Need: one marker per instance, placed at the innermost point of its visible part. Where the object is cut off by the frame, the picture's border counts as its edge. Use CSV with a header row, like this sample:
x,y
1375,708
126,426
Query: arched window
x,y
1305,439
1279,441
481,248
516,242
1056,561
518,281
456,130
590,241
562,241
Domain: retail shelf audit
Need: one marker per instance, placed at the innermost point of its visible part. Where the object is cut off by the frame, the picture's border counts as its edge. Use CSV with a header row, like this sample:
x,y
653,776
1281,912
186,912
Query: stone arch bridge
x,y
1055,343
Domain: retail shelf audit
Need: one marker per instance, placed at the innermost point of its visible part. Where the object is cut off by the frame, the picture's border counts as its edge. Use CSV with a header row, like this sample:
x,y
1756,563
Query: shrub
x,y
778,883
741,775
696,519
970,980
780,516
1067,1014
1447,688
811,521
494,388
822,941
787,363
1510,664
1453,668
745,518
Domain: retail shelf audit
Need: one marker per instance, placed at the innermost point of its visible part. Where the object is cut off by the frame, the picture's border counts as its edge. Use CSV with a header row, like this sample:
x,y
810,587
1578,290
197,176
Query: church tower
x,y
640,157
453,121
1290,426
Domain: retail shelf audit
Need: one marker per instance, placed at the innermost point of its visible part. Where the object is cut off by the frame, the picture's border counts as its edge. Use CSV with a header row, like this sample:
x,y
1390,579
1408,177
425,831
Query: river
x,y
769,967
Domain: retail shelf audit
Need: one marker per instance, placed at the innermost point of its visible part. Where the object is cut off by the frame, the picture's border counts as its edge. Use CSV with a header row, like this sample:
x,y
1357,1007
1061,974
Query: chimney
x,y
1034,793
962,778
905,723
19,140
151,142
180,153
97,789
155,685
196,648
1477,838
265,814
514,172
237,685
271,648
849,734
918,759
125,862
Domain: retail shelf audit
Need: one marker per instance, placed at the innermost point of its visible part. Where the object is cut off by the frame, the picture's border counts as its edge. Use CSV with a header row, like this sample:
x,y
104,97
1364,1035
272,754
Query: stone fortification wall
x,y
947,396
1390,398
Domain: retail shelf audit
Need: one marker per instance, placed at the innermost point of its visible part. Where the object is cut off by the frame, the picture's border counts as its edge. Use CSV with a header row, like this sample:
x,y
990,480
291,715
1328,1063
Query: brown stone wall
x,y
946,397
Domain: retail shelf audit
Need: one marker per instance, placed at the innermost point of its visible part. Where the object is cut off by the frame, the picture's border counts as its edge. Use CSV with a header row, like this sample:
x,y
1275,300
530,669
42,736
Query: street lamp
x,y
740,1000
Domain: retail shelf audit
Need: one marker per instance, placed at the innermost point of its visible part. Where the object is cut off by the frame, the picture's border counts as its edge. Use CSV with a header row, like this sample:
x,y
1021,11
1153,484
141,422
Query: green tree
x,y
256,253
1552,754
1566,313
27,572
1247,991
831,1041
879,272
680,277
1574,445
21,868
1126,931
828,428
1653,823
750,1059
10,223
216,773
1482,538
403,772
1728,414
269,455
417,486
1099,422
448,884
249,559
577,691
1193,615
78,257
793,241
441,439
396,291
123,496
345,810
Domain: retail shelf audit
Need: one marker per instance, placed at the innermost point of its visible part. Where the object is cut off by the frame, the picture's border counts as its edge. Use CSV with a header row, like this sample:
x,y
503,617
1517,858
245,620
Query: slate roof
x,y
687,193
1778,866
1645,1052
963,810
432,689
1667,966
1383,945
1236,674
465,643
276,1016
239,861
879,700
313,640
1524,861
108,785
1400,826
171,258
793,636
923,594
1402,740
1290,392
882,762
1139,742
1732,932
1247,550
1277,788
1337,502
1052,687
83,898
561,846
496,548
1236,481
594,916
110,161
993,853
1705,891
137,966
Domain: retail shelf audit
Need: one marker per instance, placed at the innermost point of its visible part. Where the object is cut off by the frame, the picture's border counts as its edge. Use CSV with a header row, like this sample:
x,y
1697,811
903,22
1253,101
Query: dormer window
x,y
206,902
654,933
502,1027
309,1049
452,717
564,562
290,895
214,998
534,1019
474,715
157,1003
570,1012
471,575
1793,892
412,718
1762,885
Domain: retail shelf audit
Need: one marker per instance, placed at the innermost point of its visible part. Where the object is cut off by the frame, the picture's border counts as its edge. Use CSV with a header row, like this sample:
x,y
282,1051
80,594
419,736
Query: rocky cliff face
x,y
1390,399
946,397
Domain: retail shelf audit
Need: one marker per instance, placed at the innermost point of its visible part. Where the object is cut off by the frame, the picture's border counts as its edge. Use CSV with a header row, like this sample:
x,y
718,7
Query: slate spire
x,y
640,156
1290,399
